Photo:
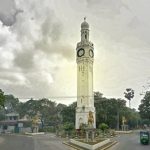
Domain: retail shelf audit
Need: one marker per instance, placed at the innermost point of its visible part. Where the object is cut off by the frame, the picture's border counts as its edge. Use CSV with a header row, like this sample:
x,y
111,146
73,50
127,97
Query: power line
x,y
55,97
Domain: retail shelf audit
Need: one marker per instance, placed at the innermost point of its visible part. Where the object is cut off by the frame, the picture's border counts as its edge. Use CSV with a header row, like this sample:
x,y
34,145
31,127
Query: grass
x,y
91,142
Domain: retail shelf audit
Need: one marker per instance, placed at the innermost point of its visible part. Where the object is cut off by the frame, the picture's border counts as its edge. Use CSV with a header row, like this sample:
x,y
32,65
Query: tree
x,y
144,107
132,117
129,94
68,126
11,103
108,110
2,98
68,113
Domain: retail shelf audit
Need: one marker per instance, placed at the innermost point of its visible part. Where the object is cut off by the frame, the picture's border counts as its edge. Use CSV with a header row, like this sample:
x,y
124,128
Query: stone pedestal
x,y
87,136
93,136
82,114
124,127
90,135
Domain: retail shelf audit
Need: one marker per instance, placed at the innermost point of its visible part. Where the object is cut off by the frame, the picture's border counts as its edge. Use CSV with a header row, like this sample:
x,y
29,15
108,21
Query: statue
x,y
90,119
123,120
124,126
35,123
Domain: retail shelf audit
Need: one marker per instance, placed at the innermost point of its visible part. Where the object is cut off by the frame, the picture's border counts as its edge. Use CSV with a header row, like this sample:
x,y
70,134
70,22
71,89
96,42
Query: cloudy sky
x,y
38,41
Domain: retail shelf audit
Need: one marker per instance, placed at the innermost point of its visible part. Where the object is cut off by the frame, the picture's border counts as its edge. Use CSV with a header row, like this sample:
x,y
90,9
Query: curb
x,y
112,144
77,148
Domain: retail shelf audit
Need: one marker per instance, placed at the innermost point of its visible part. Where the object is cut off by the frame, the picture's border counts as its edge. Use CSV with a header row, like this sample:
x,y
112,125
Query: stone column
x,y
87,136
93,133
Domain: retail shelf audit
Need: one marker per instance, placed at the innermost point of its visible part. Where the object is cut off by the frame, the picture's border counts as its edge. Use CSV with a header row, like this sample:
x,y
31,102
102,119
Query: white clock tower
x,y
85,111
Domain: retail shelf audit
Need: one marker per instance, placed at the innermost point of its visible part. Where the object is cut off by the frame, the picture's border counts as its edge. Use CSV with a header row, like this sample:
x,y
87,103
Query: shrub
x,y
103,126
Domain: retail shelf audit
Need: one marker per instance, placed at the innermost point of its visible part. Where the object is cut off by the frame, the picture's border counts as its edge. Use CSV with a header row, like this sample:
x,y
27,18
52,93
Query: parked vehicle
x,y
144,137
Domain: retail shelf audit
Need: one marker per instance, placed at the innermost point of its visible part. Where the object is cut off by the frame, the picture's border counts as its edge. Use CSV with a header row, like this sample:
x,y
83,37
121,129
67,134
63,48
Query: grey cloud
x,y
9,20
3,40
5,76
24,59
49,35
50,42
38,90
107,7
134,23
55,48
51,29
8,12
56,32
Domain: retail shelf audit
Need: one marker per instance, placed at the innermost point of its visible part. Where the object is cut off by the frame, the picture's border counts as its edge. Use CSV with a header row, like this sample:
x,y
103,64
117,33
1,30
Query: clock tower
x,y
85,111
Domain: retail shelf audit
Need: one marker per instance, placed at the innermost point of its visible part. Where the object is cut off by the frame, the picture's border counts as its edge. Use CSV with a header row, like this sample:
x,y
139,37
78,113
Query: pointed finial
x,y
84,18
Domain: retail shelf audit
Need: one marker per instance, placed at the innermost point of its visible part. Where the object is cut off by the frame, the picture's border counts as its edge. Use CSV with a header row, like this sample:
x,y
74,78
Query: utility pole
x,y
118,115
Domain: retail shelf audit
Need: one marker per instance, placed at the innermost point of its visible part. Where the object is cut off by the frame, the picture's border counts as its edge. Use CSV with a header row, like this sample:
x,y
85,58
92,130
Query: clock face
x,y
91,53
80,52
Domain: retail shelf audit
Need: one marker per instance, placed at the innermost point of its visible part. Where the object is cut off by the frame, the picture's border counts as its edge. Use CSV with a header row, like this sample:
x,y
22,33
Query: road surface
x,y
38,142
129,142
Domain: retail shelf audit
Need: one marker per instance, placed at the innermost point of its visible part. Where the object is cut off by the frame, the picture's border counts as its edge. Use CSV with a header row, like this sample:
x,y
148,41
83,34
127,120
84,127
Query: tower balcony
x,y
85,43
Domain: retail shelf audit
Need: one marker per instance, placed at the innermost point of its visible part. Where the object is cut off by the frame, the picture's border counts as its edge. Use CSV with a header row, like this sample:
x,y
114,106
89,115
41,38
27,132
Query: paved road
x,y
38,142
129,142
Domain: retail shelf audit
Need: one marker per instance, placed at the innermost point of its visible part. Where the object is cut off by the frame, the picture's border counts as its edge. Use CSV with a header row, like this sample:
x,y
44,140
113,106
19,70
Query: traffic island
x,y
90,145
123,132
102,146
37,133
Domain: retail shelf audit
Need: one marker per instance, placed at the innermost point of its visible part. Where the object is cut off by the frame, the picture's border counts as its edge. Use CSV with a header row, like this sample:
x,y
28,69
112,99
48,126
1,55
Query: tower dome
x,y
84,25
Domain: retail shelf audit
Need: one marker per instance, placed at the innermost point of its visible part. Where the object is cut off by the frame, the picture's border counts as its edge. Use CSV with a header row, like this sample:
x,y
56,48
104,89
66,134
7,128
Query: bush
x,y
68,126
47,129
103,127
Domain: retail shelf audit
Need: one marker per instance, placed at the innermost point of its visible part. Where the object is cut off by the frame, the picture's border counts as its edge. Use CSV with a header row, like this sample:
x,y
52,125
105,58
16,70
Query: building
x,y
12,124
85,111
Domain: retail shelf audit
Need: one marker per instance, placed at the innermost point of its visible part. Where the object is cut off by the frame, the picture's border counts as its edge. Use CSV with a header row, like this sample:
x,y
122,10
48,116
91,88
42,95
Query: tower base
x,y
85,115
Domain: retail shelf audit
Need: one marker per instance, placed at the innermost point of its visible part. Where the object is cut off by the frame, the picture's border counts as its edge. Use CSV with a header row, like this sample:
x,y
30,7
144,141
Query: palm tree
x,y
129,94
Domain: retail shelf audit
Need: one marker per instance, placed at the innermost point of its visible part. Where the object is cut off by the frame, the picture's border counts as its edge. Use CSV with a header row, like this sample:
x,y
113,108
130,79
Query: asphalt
x,y
38,142
129,142
51,142
11,142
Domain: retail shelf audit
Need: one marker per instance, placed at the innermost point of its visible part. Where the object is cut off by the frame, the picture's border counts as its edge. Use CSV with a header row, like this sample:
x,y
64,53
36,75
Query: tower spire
x,y
84,31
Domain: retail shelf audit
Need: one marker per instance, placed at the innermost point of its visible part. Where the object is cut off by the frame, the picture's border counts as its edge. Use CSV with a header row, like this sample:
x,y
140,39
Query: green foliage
x,y
68,113
68,126
48,129
2,114
132,117
144,107
103,127
11,103
45,107
2,98
129,94
53,115
107,109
